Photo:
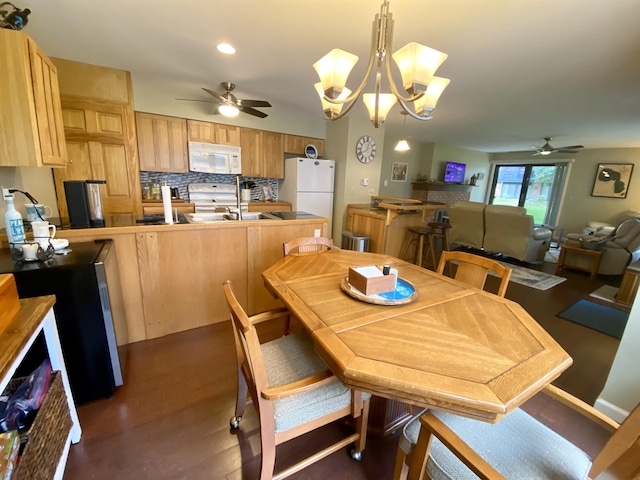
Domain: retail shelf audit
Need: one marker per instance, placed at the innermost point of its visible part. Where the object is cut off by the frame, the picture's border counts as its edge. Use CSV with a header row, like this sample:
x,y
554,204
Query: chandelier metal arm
x,y
407,109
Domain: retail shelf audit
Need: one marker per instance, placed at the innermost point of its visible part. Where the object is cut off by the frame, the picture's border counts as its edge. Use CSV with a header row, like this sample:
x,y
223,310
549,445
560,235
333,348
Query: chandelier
x,y
417,65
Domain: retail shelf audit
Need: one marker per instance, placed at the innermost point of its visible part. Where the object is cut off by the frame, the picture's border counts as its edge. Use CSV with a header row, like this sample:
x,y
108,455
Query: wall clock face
x,y
365,149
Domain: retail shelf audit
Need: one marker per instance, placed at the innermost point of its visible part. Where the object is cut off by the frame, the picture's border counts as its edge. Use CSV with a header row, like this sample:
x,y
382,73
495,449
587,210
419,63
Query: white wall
x,y
476,162
36,181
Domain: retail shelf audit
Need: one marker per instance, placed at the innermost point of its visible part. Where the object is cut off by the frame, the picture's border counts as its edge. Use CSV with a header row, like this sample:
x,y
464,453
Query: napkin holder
x,y
370,280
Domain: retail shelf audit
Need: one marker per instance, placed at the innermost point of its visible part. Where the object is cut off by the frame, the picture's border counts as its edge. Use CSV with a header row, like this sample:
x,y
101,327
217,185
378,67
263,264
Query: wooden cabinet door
x,y
294,144
46,97
252,152
162,143
201,131
319,144
273,150
100,146
30,115
227,135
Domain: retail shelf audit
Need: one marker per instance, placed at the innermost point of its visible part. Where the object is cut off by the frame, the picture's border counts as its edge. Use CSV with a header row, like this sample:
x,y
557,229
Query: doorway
x,y
536,187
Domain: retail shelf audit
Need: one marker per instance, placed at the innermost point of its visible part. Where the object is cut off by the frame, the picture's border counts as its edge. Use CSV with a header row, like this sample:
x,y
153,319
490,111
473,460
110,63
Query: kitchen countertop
x,y
127,220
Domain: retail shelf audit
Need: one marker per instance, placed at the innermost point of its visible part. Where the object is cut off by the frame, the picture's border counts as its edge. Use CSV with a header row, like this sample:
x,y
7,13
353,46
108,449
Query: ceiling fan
x,y
229,105
547,149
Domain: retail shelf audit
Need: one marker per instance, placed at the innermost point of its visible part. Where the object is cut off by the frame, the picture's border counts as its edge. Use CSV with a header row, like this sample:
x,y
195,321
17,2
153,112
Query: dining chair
x,y
292,390
308,244
473,269
519,446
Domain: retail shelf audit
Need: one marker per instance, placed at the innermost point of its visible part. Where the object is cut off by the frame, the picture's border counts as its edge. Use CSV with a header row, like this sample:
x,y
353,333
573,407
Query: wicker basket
x,y
46,439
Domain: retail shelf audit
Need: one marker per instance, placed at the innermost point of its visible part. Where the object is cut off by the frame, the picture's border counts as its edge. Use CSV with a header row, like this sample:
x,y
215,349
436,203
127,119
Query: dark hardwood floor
x,y
170,420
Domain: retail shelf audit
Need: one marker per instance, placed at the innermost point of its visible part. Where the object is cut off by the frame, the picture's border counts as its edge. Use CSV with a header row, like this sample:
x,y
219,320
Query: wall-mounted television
x,y
454,172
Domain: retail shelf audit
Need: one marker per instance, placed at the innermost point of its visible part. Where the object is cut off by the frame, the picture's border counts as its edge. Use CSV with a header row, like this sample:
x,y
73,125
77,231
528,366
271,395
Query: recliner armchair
x,y
467,223
510,231
622,248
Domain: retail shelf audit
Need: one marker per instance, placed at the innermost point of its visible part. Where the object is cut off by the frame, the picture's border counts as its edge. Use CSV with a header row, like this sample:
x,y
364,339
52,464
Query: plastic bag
x,y
19,410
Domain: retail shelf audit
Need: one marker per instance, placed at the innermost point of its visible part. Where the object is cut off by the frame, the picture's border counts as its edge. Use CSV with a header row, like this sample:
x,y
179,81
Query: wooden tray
x,y
405,292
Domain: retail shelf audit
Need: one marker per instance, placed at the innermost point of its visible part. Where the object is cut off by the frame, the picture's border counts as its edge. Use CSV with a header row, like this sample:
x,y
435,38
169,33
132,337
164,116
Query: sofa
x,y
499,229
620,245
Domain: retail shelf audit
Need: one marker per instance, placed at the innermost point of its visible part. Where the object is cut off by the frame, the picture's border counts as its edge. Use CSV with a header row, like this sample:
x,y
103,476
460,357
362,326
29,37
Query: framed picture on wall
x,y
612,180
399,172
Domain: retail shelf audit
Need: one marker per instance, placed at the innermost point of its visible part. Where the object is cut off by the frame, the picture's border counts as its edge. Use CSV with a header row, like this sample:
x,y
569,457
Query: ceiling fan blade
x,y
566,149
215,95
253,103
252,111
536,154
196,100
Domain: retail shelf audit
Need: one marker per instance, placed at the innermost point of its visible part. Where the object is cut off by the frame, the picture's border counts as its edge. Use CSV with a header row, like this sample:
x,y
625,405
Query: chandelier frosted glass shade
x,y
334,69
331,110
383,102
425,104
417,65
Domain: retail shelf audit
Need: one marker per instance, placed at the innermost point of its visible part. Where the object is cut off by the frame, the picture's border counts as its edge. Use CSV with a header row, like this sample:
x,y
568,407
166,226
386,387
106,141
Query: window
x,y
536,187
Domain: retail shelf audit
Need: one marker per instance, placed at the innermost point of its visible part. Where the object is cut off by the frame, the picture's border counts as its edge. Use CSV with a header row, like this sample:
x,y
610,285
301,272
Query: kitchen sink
x,y
227,217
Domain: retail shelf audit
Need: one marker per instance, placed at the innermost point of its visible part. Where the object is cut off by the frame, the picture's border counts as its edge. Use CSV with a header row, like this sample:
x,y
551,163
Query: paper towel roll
x,y
166,203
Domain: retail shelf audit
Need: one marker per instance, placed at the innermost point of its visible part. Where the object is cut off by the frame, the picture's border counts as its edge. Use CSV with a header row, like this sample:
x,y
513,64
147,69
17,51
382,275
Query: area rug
x,y
533,278
598,317
605,292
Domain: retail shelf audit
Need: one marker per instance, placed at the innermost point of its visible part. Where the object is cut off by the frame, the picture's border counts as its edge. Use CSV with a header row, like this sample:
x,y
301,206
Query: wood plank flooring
x,y
170,420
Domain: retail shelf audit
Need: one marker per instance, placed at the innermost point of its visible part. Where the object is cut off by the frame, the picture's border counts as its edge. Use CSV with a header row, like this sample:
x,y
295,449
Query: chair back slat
x,y
308,244
247,344
473,269
621,453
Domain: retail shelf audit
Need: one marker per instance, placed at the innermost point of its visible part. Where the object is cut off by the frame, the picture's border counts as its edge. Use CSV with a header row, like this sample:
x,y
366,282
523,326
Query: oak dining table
x,y
454,348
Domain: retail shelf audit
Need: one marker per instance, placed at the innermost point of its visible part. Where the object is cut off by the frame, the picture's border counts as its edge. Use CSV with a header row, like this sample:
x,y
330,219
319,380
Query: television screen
x,y
454,172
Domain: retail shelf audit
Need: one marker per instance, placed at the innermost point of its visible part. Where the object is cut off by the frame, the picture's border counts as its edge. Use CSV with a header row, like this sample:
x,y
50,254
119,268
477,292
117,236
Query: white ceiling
x,y
520,70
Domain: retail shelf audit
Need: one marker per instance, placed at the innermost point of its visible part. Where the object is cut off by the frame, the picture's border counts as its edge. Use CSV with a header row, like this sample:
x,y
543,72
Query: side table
x,y
595,264
629,285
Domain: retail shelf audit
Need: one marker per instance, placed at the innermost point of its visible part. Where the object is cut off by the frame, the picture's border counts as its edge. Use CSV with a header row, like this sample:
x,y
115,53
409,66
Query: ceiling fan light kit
x,y
547,149
417,64
229,105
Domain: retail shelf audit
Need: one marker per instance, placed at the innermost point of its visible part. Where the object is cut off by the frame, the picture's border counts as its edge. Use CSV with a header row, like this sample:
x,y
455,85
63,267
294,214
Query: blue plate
x,y
405,292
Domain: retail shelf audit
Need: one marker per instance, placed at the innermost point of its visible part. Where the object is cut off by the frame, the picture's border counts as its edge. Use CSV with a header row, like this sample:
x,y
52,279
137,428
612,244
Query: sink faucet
x,y
238,197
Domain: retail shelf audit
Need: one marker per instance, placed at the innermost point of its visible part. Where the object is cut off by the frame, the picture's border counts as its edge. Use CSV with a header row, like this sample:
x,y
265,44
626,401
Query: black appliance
x,y
83,314
77,203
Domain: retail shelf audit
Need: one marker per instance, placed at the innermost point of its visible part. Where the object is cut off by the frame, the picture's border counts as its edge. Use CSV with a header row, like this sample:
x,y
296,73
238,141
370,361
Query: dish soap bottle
x,y
13,222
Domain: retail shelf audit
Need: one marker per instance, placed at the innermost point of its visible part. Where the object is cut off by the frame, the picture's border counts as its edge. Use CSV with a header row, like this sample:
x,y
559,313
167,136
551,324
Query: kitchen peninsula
x,y
387,219
171,275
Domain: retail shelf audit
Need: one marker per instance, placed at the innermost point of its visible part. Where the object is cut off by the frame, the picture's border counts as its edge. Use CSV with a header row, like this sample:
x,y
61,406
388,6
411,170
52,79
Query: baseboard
x,y
610,410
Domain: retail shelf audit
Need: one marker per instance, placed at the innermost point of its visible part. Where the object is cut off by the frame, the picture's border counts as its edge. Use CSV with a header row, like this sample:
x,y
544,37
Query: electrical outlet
x,y
364,182
316,232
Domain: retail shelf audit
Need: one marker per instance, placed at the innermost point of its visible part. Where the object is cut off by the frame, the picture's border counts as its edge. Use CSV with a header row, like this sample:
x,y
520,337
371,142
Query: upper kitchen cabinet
x,y
262,153
213,133
100,146
162,143
31,129
296,144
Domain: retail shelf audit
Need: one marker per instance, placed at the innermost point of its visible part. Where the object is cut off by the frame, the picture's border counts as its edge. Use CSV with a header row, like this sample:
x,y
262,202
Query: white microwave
x,y
214,158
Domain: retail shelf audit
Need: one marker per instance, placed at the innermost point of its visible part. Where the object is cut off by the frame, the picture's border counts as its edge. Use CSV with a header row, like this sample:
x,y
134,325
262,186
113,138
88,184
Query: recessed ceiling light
x,y
226,48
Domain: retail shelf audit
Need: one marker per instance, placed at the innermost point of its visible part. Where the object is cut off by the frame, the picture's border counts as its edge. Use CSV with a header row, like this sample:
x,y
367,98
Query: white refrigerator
x,y
308,185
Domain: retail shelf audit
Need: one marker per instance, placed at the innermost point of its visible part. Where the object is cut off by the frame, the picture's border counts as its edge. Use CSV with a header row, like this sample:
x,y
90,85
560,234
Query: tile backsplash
x,y
181,180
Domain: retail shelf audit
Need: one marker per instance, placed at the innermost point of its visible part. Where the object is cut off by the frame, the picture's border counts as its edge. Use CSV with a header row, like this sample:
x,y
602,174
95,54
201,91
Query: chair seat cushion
x,y
291,358
518,446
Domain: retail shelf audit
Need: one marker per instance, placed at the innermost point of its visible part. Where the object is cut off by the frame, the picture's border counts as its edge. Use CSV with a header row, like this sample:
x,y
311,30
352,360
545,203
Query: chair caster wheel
x,y
235,422
356,455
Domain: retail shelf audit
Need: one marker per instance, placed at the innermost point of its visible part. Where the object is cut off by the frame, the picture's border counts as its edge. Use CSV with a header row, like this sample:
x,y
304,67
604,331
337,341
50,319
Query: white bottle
x,y
13,222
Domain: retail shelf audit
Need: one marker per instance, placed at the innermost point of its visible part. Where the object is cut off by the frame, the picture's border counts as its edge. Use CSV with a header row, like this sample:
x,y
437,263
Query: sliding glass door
x,y
536,187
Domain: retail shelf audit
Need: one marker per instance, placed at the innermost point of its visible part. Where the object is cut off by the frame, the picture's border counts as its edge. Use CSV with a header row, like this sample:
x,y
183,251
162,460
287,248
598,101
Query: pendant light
x,y
403,145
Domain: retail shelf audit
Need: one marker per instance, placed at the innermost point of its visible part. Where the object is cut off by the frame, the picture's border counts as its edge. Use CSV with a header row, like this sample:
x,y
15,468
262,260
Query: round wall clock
x,y
365,149
311,151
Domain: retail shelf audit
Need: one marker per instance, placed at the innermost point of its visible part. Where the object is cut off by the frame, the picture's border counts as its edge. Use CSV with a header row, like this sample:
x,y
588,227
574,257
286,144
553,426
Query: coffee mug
x,y
33,209
42,232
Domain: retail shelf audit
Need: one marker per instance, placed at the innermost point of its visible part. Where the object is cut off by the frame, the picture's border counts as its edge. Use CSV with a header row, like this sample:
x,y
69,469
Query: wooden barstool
x,y
416,236
436,230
